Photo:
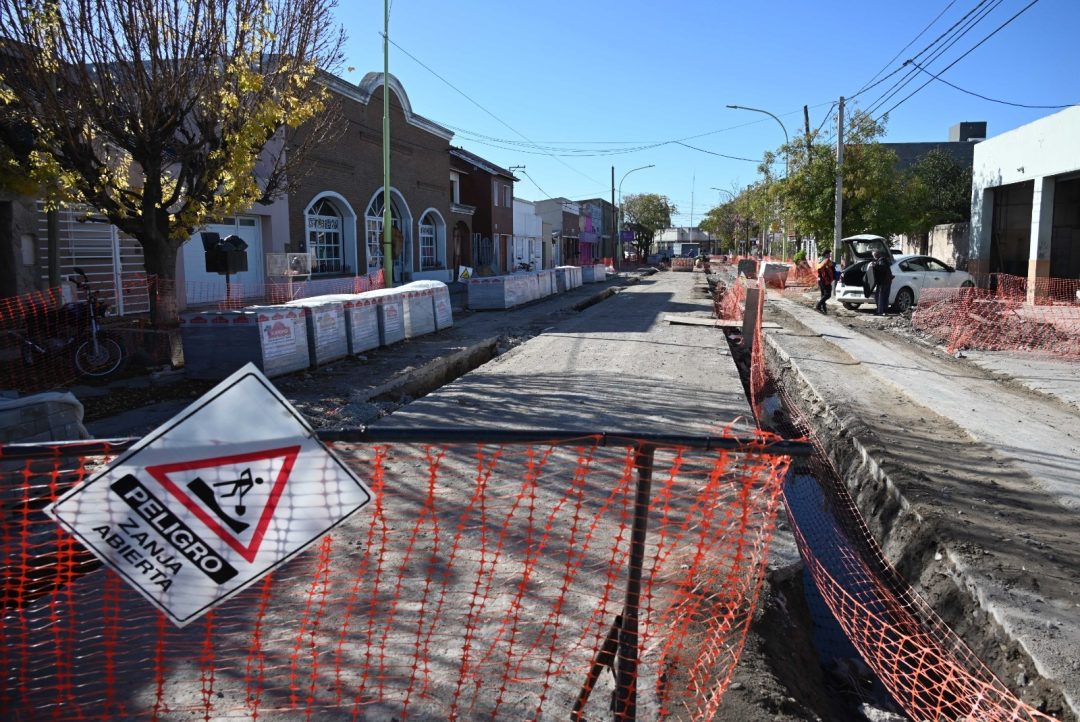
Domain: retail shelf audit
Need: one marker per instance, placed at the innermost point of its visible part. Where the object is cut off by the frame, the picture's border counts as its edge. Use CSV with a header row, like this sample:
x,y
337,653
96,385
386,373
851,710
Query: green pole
x,y
388,248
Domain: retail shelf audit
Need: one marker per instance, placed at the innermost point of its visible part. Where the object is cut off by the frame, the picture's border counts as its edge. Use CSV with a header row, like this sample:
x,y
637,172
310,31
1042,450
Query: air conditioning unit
x,y
288,265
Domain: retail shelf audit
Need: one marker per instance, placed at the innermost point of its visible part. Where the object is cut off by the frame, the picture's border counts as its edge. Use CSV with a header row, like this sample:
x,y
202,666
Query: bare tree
x,y
162,114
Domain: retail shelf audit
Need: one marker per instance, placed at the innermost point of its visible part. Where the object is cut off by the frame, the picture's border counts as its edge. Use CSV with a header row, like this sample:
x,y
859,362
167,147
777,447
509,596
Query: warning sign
x,y
211,501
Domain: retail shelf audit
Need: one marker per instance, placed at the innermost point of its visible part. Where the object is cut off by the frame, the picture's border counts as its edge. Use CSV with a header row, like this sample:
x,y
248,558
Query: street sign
x,y
202,507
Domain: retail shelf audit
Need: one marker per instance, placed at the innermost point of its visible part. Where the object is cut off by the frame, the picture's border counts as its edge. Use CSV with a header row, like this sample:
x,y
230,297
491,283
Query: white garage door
x,y
203,287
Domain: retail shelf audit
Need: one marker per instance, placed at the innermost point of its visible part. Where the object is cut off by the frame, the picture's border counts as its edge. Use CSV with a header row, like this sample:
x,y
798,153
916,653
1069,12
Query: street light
x,y
619,229
723,190
787,153
786,141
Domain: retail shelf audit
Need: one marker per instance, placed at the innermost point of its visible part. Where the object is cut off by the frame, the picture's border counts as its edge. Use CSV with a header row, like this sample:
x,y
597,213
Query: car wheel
x,y
851,306
905,299
967,284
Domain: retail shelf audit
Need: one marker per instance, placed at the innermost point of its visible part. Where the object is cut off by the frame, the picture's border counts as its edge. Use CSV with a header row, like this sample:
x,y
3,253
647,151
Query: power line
x,y
722,155
992,100
962,27
481,107
996,30
542,191
867,85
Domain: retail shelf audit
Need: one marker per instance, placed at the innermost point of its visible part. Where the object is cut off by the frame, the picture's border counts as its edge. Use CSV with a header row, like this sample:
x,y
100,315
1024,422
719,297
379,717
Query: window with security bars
x,y
324,237
373,224
429,257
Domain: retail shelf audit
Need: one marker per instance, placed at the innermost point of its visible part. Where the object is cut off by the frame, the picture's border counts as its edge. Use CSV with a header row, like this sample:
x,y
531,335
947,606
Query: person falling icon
x,y
240,487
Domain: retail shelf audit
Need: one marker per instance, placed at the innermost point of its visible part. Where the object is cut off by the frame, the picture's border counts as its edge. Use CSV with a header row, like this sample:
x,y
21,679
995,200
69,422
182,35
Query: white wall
x,y
1046,147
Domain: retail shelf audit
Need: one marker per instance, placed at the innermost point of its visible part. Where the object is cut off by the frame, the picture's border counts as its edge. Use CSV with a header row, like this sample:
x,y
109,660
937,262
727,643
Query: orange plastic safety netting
x,y
1010,317
481,581
929,671
729,299
39,332
25,323
222,296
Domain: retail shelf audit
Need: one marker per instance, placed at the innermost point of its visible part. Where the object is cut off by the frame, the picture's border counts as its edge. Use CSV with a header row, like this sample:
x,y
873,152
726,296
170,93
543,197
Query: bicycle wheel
x,y
105,360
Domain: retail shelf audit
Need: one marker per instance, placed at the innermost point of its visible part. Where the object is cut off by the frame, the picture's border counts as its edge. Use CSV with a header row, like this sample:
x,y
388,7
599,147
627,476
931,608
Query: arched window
x,y
432,242
374,226
324,239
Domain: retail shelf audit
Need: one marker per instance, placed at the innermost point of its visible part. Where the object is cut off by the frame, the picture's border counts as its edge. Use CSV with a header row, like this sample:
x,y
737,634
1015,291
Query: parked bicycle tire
x,y
106,361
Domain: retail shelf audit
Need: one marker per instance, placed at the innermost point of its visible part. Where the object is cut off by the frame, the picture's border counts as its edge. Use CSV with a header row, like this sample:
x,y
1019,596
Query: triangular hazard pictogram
x,y
218,500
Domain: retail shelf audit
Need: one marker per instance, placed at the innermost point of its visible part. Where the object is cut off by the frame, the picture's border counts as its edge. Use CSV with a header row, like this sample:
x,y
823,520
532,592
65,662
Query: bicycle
x,y
75,328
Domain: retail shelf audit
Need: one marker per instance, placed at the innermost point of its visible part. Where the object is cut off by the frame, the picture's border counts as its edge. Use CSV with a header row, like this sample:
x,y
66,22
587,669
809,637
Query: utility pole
x,y
388,230
806,122
616,234
693,183
838,222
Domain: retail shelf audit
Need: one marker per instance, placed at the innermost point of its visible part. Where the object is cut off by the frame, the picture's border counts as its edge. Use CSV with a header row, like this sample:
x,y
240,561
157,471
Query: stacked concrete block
x,y
593,273
567,278
487,293
361,321
444,316
419,310
326,335
531,283
390,310
51,416
216,343
546,281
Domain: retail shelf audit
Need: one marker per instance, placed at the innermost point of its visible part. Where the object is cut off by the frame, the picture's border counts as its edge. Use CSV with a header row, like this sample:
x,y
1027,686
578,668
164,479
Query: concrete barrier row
x,y
516,289
310,332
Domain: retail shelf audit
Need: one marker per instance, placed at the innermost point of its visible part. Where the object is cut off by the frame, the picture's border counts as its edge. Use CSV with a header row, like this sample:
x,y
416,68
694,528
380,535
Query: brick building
x,y
336,213
489,191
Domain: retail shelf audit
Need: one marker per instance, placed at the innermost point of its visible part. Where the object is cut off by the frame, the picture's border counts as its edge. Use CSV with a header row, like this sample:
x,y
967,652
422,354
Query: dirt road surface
x,y
966,475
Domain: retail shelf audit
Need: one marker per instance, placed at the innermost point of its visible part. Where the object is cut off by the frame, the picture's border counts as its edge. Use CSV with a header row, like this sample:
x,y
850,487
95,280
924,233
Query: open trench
x,y
792,408
831,680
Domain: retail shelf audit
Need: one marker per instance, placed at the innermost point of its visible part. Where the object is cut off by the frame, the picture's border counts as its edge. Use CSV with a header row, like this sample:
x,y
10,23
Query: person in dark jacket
x,y
825,276
881,269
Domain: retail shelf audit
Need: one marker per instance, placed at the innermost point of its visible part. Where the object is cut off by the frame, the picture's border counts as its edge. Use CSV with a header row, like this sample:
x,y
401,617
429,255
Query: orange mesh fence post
x,y
757,358
483,580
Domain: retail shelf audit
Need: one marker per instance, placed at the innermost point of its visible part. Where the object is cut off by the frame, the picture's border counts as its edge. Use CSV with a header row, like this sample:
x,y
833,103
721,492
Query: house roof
x,y
373,81
480,163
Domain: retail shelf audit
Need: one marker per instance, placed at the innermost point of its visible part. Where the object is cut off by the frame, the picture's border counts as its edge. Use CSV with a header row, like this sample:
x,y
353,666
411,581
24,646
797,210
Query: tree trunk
x,y
160,254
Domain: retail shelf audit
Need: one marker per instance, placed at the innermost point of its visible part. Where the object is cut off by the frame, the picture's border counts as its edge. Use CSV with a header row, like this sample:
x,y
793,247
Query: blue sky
x,y
570,89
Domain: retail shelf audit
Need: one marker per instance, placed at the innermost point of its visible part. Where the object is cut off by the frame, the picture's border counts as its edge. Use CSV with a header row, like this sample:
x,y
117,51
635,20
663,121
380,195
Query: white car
x,y
911,274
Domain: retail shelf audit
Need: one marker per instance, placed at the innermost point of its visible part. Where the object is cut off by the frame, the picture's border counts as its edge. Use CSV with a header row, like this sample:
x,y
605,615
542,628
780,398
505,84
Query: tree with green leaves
x,y
163,114
938,191
875,199
646,213
724,222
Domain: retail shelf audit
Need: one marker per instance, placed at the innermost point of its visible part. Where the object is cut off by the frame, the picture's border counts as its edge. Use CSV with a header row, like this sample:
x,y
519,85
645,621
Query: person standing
x,y
881,269
826,273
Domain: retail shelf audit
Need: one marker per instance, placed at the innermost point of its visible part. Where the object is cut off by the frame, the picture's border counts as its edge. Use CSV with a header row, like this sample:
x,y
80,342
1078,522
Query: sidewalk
x,y
965,469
